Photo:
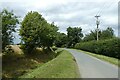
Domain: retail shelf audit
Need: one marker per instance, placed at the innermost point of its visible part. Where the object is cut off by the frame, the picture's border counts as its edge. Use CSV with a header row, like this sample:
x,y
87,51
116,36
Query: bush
x,y
108,47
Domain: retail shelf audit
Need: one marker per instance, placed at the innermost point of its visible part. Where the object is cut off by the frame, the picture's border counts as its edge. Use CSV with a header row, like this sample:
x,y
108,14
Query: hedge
x,y
109,47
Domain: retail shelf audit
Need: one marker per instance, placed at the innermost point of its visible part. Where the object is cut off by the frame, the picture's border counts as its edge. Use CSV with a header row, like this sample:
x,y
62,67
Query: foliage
x,y
92,36
74,35
108,47
105,34
9,22
36,32
61,39
48,36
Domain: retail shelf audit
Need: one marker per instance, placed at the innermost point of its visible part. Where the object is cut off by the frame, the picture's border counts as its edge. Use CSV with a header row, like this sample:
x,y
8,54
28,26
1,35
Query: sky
x,y
65,13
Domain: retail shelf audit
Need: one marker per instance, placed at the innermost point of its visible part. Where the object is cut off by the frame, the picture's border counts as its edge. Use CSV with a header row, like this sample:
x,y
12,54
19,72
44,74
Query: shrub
x,y
108,47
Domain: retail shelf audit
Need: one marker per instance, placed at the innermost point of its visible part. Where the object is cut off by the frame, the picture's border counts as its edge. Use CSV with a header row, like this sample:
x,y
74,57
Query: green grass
x,y
102,57
63,66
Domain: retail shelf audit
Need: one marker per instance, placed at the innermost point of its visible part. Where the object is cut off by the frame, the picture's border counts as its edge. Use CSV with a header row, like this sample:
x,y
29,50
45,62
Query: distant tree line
x,y
75,35
102,34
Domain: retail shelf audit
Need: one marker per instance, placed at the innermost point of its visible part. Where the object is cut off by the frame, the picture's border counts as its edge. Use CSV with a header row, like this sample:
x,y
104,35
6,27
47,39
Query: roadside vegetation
x,y
37,37
63,66
15,63
36,55
107,47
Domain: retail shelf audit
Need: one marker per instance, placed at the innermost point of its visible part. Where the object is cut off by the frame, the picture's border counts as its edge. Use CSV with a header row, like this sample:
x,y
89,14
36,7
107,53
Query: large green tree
x,y
36,32
74,35
9,23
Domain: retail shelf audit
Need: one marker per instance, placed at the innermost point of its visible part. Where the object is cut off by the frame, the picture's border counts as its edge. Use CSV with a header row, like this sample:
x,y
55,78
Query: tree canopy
x,y
61,40
102,34
37,32
108,33
74,35
9,22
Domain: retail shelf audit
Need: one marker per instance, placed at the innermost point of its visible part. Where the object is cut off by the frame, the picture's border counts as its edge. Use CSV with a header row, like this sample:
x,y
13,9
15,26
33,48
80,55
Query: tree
x,y
108,33
74,35
49,35
92,36
36,32
61,40
9,23
28,31
105,34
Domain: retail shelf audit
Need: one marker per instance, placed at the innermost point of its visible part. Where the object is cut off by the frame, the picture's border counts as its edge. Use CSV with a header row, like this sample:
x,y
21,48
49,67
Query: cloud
x,y
66,13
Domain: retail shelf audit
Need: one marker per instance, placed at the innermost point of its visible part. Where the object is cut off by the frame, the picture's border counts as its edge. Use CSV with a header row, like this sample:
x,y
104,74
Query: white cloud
x,y
69,12
110,19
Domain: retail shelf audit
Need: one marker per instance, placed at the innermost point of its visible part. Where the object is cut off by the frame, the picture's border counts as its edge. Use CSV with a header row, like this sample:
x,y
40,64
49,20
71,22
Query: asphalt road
x,y
91,67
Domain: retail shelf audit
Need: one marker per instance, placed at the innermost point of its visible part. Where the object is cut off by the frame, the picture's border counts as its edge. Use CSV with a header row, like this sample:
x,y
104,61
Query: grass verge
x,y
102,57
63,66
15,64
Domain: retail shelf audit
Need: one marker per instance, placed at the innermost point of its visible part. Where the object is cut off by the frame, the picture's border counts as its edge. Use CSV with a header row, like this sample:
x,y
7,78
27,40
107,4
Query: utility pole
x,y
97,23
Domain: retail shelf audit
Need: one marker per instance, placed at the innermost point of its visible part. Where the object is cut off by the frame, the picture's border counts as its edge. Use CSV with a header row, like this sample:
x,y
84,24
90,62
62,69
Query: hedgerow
x,y
108,47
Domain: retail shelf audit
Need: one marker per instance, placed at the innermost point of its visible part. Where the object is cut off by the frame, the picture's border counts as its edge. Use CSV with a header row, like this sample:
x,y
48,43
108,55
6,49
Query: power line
x,y
98,15
106,5
101,8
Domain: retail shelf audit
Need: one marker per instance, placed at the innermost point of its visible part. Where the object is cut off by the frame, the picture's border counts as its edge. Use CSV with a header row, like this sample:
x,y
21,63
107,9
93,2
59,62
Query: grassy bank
x,y
63,66
16,63
102,57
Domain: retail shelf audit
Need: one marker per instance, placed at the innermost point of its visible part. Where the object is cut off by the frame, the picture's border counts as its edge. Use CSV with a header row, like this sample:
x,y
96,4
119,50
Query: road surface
x,y
91,67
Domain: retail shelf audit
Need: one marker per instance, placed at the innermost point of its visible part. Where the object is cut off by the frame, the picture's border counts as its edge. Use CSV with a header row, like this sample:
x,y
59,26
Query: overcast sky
x,y
64,13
